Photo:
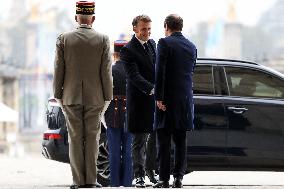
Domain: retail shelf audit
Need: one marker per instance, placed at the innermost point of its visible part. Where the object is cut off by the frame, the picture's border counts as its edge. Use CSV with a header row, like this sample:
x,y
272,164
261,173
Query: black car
x,y
55,141
239,120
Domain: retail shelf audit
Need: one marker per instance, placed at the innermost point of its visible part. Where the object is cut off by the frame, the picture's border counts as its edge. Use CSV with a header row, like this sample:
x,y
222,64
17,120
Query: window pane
x,y
202,80
253,83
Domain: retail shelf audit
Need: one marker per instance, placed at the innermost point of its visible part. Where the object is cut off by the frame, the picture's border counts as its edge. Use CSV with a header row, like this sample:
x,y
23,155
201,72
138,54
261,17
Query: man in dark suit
x,y
139,58
176,57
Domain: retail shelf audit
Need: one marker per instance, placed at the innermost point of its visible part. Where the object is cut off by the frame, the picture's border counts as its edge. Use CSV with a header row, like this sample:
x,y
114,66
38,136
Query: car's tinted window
x,y
203,80
253,83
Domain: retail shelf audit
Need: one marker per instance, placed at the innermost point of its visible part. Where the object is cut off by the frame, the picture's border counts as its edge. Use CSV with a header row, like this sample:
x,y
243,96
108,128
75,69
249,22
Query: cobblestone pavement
x,y
35,172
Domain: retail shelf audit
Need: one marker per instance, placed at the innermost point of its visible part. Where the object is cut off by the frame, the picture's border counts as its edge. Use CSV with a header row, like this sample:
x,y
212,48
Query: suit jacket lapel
x,y
140,48
138,45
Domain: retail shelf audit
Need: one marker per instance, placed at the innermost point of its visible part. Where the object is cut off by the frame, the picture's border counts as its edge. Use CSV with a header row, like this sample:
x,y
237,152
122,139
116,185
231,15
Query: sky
x,y
115,16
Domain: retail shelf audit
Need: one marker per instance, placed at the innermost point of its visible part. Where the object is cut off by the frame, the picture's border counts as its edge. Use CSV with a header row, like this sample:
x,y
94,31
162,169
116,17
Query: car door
x,y
207,143
255,110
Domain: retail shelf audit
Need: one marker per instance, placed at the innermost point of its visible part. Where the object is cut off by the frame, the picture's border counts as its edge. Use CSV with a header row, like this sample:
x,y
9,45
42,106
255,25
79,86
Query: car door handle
x,y
237,110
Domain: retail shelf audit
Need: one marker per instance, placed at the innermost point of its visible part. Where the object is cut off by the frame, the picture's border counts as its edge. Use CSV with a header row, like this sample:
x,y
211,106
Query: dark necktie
x,y
146,47
149,52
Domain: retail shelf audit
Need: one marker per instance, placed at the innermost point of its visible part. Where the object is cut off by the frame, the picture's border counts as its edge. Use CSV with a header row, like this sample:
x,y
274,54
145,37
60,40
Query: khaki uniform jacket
x,y
82,70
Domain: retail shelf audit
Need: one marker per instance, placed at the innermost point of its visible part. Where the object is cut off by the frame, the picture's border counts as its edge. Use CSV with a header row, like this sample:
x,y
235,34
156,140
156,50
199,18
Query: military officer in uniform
x,y
83,86
119,140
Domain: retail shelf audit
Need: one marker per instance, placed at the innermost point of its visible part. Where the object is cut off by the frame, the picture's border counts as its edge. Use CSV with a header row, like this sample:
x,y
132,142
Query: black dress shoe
x,y
161,184
151,175
177,183
74,187
140,182
96,185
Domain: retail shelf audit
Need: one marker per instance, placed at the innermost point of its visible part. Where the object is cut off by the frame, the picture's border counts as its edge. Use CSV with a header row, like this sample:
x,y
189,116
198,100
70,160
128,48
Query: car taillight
x,y
47,136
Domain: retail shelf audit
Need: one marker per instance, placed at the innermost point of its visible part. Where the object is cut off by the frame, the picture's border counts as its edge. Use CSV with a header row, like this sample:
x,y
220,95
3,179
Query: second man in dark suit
x,y
176,58
139,59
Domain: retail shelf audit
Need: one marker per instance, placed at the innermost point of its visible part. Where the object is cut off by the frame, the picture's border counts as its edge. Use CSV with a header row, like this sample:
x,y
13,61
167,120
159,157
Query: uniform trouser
x,y
143,150
164,137
84,128
119,145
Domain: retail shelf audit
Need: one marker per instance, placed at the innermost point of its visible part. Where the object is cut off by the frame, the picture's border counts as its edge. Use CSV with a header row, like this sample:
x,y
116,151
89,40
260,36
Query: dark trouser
x,y
151,152
143,150
119,143
164,153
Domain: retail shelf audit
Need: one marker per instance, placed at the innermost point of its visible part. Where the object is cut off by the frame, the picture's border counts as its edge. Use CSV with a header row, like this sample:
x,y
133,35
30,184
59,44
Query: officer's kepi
x,y
85,7
118,44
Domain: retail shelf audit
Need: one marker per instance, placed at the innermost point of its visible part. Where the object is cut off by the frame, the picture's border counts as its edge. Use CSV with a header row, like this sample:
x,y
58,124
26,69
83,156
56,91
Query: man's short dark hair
x,y
143,18
174,22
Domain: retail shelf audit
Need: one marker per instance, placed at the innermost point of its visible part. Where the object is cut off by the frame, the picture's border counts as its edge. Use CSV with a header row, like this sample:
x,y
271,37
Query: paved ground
x,y
193,187
35,172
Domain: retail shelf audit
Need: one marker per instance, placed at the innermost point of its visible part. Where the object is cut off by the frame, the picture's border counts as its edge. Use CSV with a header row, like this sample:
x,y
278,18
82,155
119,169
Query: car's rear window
x,y
253,83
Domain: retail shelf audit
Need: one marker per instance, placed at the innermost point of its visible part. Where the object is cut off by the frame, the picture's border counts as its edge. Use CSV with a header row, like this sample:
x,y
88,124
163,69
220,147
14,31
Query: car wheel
x,y
103,174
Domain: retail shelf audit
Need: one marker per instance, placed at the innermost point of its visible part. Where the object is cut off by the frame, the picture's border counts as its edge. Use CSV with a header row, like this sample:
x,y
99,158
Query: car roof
x,y
224,61
219,61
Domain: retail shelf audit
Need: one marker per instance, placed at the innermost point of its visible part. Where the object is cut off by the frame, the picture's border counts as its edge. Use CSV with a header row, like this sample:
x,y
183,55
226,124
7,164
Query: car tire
x,y
103,172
